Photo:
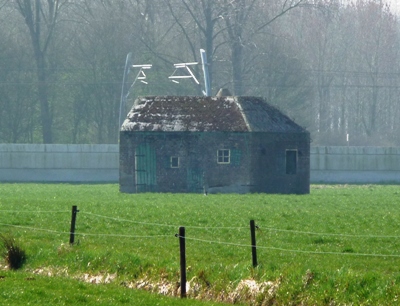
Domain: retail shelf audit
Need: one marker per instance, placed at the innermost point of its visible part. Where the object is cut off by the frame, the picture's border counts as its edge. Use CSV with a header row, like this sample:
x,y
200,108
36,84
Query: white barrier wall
x,y
355,164
100,163
59,163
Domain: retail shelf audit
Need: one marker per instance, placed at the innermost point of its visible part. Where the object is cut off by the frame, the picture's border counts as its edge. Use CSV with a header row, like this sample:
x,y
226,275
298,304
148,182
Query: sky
x,y
394,5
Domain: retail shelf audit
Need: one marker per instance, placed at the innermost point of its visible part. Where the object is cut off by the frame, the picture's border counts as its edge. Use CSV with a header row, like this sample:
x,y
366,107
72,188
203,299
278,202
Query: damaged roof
x,y
206,114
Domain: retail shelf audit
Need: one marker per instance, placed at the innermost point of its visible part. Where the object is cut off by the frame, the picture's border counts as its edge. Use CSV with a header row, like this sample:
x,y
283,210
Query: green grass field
x,y
337,246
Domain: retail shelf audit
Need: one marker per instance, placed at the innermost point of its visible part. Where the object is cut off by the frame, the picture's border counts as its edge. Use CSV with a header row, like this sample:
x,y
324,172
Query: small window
x,y
291,161
174,162
224,156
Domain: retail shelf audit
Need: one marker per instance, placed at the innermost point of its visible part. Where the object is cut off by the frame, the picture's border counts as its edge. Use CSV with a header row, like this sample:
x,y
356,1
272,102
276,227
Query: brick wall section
x,y
257,162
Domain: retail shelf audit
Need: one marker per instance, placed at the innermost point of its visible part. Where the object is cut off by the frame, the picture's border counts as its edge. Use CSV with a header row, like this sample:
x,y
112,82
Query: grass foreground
x,y
21,288
339,245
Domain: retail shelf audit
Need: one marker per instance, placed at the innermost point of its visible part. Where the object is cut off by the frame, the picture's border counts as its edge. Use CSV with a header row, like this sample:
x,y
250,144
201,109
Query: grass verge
x,y
338,245
21,288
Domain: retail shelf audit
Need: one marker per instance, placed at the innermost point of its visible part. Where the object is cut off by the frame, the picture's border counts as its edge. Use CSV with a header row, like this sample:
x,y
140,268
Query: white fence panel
x,y
100,163
355,164
58,163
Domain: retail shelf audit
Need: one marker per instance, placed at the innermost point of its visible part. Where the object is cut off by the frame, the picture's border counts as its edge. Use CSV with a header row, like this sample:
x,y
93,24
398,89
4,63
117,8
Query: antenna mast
x,y
141,76
190,75
207,84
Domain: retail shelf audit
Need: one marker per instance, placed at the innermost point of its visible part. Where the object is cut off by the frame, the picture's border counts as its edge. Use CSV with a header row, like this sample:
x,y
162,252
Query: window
x,y
224,156
174,162
291,161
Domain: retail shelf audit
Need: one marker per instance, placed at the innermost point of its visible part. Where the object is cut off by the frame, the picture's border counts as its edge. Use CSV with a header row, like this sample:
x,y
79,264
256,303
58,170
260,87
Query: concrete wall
x,y
100,163
58,163
355,164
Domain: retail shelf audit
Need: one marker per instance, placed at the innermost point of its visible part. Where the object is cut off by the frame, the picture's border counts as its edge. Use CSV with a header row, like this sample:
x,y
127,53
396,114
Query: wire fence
x,y
173,234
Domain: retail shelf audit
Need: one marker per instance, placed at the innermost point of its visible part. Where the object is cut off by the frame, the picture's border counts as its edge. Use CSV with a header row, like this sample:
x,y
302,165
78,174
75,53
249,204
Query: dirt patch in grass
x,y
247,291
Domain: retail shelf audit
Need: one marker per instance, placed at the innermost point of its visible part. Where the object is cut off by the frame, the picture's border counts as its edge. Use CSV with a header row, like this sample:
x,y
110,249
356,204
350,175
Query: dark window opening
x,y
291,161
224,156
174,162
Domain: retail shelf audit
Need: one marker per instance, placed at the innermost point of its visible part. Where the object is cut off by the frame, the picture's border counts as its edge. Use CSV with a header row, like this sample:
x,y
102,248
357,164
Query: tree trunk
x,y
43,99
237,75
32,12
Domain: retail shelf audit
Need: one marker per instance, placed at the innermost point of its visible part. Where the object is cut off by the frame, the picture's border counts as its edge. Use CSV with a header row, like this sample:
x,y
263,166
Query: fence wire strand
x,y
35,229
161,224
241,227
82,234
288,250
125,236
214,227
35,211
204,240
326,234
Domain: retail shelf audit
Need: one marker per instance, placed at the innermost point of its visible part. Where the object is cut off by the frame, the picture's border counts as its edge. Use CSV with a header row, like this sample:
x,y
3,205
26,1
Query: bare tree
x,y
17,116
104,35
243,24
377,50
204,31
351,53
41,18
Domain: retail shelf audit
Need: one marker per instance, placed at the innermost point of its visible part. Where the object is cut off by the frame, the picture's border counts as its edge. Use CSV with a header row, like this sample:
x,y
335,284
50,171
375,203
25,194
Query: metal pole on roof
x,y
122,105
125,93
207,85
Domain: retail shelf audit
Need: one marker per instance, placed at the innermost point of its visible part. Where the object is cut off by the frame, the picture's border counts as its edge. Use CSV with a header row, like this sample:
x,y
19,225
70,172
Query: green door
x,y
195,180
145,168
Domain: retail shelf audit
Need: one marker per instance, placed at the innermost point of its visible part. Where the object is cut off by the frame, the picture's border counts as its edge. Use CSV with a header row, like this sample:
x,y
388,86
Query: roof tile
x,y
201,114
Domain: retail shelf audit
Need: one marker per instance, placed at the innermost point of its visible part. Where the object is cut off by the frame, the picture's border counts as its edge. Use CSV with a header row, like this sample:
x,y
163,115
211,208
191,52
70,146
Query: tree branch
x,y
283,12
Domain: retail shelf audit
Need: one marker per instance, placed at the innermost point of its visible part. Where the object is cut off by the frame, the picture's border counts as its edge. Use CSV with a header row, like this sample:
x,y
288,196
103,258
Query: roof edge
x,y
243,114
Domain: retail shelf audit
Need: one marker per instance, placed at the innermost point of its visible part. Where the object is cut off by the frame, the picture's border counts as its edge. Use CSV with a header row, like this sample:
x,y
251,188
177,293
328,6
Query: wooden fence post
x,y
253,242
73,221
182,260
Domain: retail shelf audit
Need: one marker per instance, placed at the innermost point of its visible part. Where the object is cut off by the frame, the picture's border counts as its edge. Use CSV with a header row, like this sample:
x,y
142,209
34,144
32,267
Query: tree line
x,y
331,65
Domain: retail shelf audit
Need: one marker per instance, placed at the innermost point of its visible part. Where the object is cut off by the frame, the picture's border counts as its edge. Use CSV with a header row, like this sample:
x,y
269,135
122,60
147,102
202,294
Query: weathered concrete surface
x,y
355,164
100,163
58,163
